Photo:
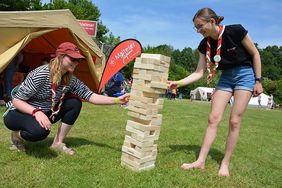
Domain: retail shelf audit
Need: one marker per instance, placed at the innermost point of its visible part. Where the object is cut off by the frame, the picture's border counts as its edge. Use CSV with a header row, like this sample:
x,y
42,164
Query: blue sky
x,y
156,22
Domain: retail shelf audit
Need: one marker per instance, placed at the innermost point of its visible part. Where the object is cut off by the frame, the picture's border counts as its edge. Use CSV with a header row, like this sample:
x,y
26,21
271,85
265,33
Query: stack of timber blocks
x,y
150,74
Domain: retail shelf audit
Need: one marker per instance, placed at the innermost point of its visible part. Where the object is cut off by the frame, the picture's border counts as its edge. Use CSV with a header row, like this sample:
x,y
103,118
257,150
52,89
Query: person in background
x,y
270,102
231,50
115,84
8,74
259,101
173,94
46,96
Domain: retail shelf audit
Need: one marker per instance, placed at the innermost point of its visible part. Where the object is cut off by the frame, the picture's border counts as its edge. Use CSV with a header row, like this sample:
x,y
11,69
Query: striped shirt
x,y
36,89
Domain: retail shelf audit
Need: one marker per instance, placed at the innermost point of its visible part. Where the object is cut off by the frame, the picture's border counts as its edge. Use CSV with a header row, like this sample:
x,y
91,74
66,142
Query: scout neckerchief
x,y
217,57
53,90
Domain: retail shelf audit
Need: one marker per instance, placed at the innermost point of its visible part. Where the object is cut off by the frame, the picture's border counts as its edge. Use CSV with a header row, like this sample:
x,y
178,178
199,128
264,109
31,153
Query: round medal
x,y
217,58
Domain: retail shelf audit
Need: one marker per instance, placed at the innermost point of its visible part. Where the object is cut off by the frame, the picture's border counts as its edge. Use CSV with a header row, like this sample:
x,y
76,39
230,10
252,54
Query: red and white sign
x,y
89,26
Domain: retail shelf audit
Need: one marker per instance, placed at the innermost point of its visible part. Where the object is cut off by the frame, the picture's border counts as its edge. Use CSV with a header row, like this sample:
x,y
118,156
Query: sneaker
x,y
17,141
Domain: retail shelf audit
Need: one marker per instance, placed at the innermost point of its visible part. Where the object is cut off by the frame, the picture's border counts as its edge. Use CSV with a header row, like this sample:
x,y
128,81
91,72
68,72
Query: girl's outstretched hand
x,y
172,84
124,98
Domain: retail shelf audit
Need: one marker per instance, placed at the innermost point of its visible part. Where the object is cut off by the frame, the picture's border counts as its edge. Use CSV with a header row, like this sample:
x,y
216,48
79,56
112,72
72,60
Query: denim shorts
x,y
237,78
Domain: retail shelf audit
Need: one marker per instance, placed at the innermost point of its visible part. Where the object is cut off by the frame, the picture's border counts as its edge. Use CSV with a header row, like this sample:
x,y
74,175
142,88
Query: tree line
x,y
183,62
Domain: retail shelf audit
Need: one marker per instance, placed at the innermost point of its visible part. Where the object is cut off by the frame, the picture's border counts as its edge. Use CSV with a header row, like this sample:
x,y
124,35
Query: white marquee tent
x,y
255,100
205,93
202,93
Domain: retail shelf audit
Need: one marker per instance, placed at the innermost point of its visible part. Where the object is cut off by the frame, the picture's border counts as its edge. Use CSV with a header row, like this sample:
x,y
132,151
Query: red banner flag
x,y
120,56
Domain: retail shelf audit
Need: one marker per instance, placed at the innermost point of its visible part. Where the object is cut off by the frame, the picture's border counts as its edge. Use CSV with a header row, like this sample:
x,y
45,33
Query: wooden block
x,y
156,121
150,61
139,104
138,132
136,92
134,129
137,162
138,59
154,111
151,95
132,152
158,85
139,110
138,82
160,101
138,154
150,67
147,149
156,56
144,66
152,148
146,117
138,168
139,71
141,99
142,77
133,114
138,143
143,138
159,78
142,108
147,89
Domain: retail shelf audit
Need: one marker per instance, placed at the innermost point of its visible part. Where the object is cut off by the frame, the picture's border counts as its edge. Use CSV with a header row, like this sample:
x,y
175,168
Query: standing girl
x,y
231,50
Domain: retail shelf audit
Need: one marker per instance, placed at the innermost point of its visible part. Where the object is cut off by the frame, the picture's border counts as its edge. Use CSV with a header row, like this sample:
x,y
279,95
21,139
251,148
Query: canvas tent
x,y
38,33
202,93
254,100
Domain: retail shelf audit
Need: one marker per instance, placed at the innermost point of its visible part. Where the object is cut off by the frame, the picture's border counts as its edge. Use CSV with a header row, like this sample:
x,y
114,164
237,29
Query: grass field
x,y
98,136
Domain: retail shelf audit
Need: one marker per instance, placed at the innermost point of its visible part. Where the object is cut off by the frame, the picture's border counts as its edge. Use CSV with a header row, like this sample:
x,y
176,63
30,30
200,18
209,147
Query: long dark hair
x,y
207,14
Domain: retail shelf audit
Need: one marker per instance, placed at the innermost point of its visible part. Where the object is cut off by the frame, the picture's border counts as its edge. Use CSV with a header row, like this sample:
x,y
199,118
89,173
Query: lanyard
x,y
217,57
53,90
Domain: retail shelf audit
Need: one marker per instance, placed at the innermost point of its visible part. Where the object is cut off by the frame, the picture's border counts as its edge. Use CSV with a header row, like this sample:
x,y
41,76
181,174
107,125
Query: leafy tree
x,y
83,10
278,92
20,5
112,40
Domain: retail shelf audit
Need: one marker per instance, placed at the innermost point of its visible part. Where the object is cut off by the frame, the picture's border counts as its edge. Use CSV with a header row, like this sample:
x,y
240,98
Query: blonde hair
x,y
207,14
55,67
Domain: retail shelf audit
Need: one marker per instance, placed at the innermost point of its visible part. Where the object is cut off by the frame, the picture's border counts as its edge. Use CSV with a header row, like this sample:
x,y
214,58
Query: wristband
x,y
180,84
116,100
34,111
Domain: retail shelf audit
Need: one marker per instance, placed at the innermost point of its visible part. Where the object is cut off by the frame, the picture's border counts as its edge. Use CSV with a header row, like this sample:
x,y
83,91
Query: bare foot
x,y
196,164
224,170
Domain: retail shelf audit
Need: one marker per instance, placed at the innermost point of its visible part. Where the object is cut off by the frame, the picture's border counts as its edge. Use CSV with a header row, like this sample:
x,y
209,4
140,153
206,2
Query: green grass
x,y
98,136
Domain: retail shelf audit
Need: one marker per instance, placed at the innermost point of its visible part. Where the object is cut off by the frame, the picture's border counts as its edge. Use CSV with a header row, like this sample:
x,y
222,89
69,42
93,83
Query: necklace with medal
x,y
217,57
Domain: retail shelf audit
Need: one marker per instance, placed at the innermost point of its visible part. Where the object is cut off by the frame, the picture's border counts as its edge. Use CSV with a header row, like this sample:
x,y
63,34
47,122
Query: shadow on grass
x,y
214,153
41,149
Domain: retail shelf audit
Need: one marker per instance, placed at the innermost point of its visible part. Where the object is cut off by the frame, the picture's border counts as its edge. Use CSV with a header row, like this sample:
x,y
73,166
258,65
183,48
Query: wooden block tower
x,y
150,74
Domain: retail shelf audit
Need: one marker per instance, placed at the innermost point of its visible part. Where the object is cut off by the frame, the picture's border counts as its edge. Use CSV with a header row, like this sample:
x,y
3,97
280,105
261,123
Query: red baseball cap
x,y
68,48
